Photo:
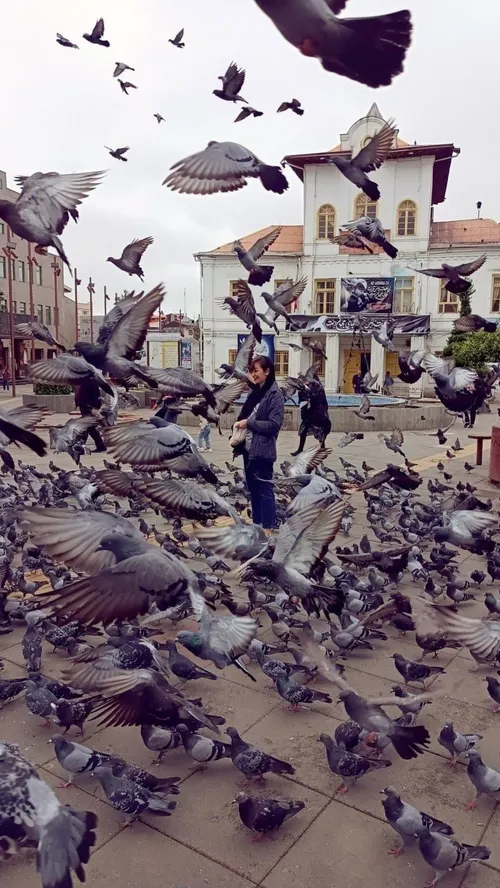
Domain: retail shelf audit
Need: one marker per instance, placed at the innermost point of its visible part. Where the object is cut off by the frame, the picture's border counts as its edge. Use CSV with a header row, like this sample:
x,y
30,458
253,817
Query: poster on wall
x,y
185,354
266,347
366,294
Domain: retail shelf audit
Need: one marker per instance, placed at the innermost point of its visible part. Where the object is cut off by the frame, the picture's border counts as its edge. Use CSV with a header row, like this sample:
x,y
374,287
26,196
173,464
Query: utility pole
x,y
57,271
106,298
9,251
31,262
91,289
77,284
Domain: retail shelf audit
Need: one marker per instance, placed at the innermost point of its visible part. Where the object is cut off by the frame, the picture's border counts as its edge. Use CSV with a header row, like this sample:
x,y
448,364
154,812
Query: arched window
x,y
326,222
407,218
363,206
365,141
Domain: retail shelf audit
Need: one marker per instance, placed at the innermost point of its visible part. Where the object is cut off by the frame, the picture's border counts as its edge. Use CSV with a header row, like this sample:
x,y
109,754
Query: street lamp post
x,y
106,298
77,284
91,289
57,271
11,256
31,262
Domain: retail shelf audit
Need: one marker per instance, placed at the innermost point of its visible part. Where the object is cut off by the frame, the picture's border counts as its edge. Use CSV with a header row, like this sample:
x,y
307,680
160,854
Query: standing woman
x,y
261,419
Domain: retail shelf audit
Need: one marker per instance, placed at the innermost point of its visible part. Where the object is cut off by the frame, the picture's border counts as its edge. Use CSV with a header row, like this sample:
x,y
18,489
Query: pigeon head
x,y
182,729
110,259
240,798
388,790
121,546
184,637
233,733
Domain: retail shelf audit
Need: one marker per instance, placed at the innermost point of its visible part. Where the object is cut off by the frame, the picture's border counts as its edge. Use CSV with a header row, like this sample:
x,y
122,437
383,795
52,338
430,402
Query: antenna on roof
x,y
478,208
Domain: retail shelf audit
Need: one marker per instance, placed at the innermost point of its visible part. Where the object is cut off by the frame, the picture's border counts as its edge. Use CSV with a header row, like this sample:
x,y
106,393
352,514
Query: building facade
x,y
173,340
84,323
412,182
37,283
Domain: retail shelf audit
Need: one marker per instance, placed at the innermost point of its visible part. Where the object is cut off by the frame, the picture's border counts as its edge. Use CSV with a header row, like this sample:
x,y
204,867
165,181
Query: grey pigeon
x,y
348,765
39,701
350,437
465,528
159,118
118,153
408,821
37,330
415,672
222,640
485,779
444,853
297,693
131,256
184,668
258,274
252,762
203,749
41,212
223,166
162,785
125,85
31,810
407,740
456,744
127,796
31,646
71,437
75,758
372,230
494,691
120,67
295,105
385,333
286,294
68,370
178,39
265,815
367,50
232,82
275,668
454,274
407,701
160,740
63,41
10,688
371,157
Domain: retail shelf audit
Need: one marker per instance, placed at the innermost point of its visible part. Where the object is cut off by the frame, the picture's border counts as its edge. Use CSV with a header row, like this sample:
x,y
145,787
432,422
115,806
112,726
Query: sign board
x,y
186,354
266,347
366,294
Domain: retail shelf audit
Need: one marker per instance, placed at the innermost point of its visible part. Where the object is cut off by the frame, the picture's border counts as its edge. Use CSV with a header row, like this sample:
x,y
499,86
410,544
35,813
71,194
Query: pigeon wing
x,y
222,166
244,356
432,272
263,243
129,332
372,156
98,30
482,638
313,541
288,292
228,394
50,195
133,252
460,378
470,267
246,302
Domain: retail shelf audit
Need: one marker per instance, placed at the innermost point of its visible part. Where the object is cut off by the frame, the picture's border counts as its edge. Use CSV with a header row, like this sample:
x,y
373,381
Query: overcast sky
x,y
60,107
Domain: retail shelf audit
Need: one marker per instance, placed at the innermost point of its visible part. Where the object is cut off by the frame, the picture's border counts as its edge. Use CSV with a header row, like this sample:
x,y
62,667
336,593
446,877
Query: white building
x,y
412,181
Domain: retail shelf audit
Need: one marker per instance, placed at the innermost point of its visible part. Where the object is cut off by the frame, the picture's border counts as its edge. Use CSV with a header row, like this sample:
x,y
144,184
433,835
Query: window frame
x,y
317,281
396,309
325,210
233,286
444,292
231,356
284,360
362,197
21,268
493,278
406,210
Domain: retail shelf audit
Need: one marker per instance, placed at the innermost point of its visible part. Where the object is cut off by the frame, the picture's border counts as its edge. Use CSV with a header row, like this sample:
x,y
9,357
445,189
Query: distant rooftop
x,y
289,240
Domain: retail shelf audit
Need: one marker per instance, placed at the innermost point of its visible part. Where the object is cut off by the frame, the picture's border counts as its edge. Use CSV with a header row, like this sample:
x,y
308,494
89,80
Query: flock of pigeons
x,y
114,577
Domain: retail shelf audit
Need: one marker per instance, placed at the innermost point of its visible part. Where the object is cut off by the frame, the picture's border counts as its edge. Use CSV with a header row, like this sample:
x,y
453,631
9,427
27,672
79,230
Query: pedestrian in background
x,y
203,440
6,378
388,384
255,435
88,399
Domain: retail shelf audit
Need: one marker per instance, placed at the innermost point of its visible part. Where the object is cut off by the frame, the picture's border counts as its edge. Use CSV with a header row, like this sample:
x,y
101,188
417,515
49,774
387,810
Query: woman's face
x,y
258,374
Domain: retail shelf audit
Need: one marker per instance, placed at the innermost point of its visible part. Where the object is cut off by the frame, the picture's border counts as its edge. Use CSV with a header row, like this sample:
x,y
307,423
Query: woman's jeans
x,y
204,437
261,493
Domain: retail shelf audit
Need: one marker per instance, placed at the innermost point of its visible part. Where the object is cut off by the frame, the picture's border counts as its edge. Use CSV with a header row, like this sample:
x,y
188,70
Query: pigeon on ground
x,y
160,740
368,50
258,274
232,82
203,749
178,40
127,796
444,853
118,153
223,166
456,744
66,713
408,741
408,821
415,672
131,256
265,815
222,640
162,785
294,106
494,691
63,41
31,811
373,231
184,668
31,645
296,694
485,779
75,758
454,274
39,701
371,157
97,34
252,762
10,688
348,765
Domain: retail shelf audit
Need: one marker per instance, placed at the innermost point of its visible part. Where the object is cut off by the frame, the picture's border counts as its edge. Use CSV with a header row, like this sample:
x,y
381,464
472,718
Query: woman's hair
x,y
265,362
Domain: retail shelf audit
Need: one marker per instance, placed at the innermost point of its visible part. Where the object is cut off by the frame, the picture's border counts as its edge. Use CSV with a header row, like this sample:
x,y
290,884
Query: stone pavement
x,y
335,840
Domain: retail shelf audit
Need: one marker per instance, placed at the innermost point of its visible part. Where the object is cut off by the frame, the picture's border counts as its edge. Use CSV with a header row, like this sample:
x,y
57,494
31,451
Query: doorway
x,y
355,361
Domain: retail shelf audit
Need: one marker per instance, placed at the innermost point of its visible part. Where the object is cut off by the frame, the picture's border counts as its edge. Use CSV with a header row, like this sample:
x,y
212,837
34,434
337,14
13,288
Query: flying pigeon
x,y
131,256
369,50
370,158
41,212
97,34
258,274
232,81
223,166
178,40
294,106
125,85
63,41
373,231
120,67
159,118
248,111
118,153
454,274
286,294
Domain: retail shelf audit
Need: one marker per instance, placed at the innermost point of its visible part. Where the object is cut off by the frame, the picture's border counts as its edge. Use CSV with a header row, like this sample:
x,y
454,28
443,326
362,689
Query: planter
x,y
54,403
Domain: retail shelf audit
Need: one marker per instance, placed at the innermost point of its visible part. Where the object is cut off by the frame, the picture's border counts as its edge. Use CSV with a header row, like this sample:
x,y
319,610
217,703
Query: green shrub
x,y
41,389
477,350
